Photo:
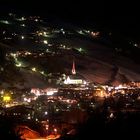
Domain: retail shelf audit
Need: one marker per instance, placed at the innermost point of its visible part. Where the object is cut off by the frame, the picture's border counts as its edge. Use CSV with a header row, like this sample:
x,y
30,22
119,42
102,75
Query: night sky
x,y
117,16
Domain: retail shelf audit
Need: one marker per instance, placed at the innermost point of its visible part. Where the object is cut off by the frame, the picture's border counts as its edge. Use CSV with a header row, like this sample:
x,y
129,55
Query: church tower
x,y
73,68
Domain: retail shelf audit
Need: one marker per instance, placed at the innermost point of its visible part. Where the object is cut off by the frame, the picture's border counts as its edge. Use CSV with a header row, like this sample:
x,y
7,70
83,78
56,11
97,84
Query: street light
x,y
22,37
34,69
45,42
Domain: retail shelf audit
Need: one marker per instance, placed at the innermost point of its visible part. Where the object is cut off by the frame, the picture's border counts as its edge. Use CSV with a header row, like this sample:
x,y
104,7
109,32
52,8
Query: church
x,y
74,78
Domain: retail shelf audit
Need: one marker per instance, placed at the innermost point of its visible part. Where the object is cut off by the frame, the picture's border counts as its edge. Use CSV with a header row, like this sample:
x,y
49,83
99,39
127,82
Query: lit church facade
x,y
74,78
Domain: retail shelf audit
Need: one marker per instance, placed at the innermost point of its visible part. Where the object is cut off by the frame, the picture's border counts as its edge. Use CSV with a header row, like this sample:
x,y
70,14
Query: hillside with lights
x,y
37,53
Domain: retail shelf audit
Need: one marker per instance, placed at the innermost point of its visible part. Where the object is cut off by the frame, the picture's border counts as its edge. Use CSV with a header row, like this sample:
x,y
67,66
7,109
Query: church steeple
x,y
73,68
